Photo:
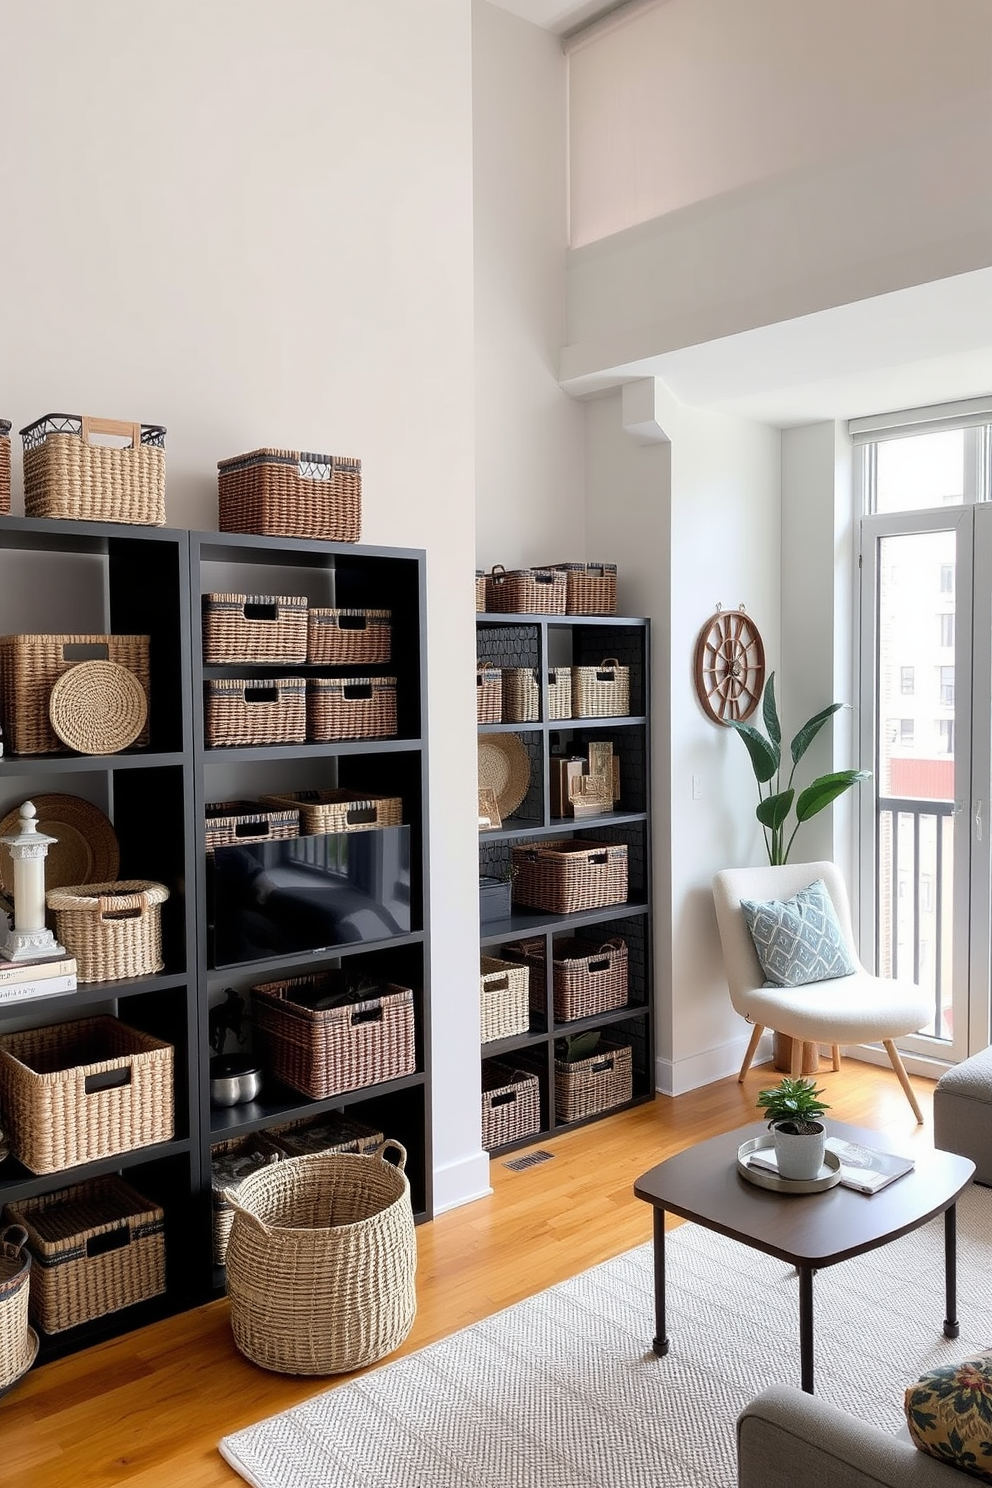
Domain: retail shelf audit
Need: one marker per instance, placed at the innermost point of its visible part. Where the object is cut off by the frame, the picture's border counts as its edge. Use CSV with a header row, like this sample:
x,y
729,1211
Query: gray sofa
x,y
785,1437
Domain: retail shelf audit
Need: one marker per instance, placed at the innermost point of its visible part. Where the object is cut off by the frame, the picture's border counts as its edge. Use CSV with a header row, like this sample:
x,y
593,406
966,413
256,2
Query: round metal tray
x,y
829,1173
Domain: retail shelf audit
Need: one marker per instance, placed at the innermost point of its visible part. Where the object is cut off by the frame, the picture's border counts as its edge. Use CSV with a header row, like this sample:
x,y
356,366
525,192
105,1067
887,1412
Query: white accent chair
x,y
856,1009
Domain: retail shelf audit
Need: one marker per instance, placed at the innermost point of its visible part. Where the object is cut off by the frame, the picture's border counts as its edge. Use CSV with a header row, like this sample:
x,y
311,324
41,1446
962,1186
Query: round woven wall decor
x,y
504,768
98,707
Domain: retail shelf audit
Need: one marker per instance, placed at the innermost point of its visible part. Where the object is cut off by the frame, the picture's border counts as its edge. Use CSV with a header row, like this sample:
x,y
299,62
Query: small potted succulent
x,y
793,1109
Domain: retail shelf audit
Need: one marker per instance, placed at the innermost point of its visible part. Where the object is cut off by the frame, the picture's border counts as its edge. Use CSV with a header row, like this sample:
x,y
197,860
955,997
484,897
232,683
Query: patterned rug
x,y
563,1391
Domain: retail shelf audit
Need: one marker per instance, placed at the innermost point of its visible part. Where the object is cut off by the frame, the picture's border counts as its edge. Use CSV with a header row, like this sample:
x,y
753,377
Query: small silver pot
x,y
234,1079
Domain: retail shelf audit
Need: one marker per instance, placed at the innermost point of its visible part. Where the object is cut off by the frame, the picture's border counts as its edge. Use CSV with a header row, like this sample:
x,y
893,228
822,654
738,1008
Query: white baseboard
x,y
712,1064
461,1182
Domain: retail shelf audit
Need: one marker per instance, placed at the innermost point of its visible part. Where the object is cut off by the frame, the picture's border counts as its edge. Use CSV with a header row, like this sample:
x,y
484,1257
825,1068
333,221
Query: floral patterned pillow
x,y
949,1412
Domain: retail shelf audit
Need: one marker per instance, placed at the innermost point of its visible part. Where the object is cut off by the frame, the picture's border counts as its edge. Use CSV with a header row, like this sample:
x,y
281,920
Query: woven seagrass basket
x,y
65,475
522,694
349,637
230,822
588,1086
254,628
488,694
480,590
255,710
526,591
17,1345
98,1247
601,691
505,1009
114,930
30,666
351,708
340,810
321,1262
78,1092
569,875
511,1105
588,977
291,493
591,588
320,1035
4,491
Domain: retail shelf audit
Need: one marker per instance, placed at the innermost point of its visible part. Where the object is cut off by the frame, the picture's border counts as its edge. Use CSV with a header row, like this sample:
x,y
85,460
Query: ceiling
x,y
559,16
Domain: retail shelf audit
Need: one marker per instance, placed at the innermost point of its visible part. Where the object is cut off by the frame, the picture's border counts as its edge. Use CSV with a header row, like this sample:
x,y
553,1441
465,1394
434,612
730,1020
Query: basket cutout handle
x,y
112,1079
542,578
261,694
253,829
86,651
13,1240
117,1239
498,984
601,1066
359,814
357,690
252,610
122,906
353,622
383,1147
119,428
503,1098
598,858
367,1012
602,964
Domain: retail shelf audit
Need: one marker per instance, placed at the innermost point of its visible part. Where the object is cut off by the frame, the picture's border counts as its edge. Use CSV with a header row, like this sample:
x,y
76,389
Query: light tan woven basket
x,y
522,694
480,590
488,694
591,588
114,930
241,711
30,666
17,1346
503,996
65,475
601,691
97,1247
256,628
231,822
592,1085
349,637
321,1262
565,876
511,1104
340,810
527,591
290,493
4,482
589,977
351,708
77,1092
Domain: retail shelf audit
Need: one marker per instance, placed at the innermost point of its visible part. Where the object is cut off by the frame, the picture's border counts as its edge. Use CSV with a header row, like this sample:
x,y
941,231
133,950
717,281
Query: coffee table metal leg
x,y
951,1325
806,1328
660,1340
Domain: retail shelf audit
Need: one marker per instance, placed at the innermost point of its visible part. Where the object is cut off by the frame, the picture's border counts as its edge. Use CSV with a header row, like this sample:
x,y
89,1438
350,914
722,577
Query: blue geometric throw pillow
x,y
798,940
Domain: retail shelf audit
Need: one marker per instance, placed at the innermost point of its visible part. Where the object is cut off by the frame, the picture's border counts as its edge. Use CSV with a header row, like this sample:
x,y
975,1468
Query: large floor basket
x,y
18,1343
321,1262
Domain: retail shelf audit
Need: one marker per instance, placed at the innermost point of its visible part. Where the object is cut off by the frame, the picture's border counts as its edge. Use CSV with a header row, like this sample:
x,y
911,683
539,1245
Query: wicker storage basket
x,y
255,710
592,1085
503,998
97,1247
17,1346
340,810
114,930
591,588
290,493
480,590
231,1163
526,591
522,694
4,510
351,708
254,628
229,822
330,1133
73,1093
511,1105
488,694
323,1050
349,637
321,1262
30,666
588,977
67,476
570,875
601,691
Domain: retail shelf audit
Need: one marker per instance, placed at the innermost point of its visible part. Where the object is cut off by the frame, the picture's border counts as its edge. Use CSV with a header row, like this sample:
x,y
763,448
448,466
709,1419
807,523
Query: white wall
x,y
253,223
529,466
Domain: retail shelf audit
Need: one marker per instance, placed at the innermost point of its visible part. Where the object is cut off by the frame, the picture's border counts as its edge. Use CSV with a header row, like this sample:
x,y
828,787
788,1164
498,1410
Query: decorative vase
x,y
799,1148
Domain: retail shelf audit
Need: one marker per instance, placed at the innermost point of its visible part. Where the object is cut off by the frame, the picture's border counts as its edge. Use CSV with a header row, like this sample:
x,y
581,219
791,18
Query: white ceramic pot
x,y
799,1154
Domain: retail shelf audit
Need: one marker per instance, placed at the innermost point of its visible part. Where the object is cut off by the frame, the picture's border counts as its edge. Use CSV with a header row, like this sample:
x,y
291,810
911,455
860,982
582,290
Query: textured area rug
x,y
563,1391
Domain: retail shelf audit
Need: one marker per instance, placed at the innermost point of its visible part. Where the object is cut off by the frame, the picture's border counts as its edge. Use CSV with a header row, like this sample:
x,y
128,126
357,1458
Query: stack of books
x,y
22,981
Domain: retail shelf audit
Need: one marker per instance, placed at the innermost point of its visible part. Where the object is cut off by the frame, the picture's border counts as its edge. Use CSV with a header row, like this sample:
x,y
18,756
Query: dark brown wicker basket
x,y
340,810
325,1050
30,666
97,1247
588,977
526,591
596,1084
349,637
511,1105
255,628
488,694
66,475
291,493
231,822
255,710
351,708
4,467
569,875
591,588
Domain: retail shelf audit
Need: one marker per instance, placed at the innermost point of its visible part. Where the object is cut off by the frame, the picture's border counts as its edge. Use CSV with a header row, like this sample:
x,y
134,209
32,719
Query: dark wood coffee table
x,y
809,1231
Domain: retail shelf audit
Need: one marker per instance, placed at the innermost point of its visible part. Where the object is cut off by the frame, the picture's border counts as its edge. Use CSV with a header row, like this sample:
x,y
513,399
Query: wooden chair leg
x,y
900,1070
797,1058
835,1051
756,1033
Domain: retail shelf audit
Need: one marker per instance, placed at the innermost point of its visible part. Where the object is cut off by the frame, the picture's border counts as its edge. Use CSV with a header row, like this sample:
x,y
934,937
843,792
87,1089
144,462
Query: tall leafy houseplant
x,y
775,802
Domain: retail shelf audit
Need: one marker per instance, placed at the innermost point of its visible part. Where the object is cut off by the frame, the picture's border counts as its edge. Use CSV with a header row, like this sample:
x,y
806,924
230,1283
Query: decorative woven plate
x,y
504,767
85,848
98,707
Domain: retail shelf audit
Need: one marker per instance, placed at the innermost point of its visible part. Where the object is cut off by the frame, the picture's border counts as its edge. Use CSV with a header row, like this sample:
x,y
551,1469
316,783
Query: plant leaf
x,y
772,811
764,755
826,789
770,713
810,729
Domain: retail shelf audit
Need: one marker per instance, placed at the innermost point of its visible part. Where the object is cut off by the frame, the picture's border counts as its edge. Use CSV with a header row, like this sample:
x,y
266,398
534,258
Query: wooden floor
x,y
148,1409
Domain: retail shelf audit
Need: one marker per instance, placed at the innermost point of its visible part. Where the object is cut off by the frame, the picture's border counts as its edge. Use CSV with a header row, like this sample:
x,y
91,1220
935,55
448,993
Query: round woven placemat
x,y
85,847
504,767
98,707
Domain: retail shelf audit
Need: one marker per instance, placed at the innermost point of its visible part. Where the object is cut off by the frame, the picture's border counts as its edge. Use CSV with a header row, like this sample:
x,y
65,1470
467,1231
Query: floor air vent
x,y
528,1160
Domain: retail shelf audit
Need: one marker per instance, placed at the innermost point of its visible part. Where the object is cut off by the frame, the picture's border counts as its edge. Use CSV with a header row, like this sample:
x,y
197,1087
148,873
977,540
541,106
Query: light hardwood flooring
x,y
147,1409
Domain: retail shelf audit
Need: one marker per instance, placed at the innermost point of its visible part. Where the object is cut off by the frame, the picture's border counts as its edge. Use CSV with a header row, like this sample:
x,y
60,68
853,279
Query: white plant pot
x,y
799,1155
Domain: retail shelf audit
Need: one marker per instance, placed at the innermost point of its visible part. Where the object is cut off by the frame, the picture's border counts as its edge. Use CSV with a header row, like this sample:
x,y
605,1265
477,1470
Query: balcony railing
x,y
914,846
